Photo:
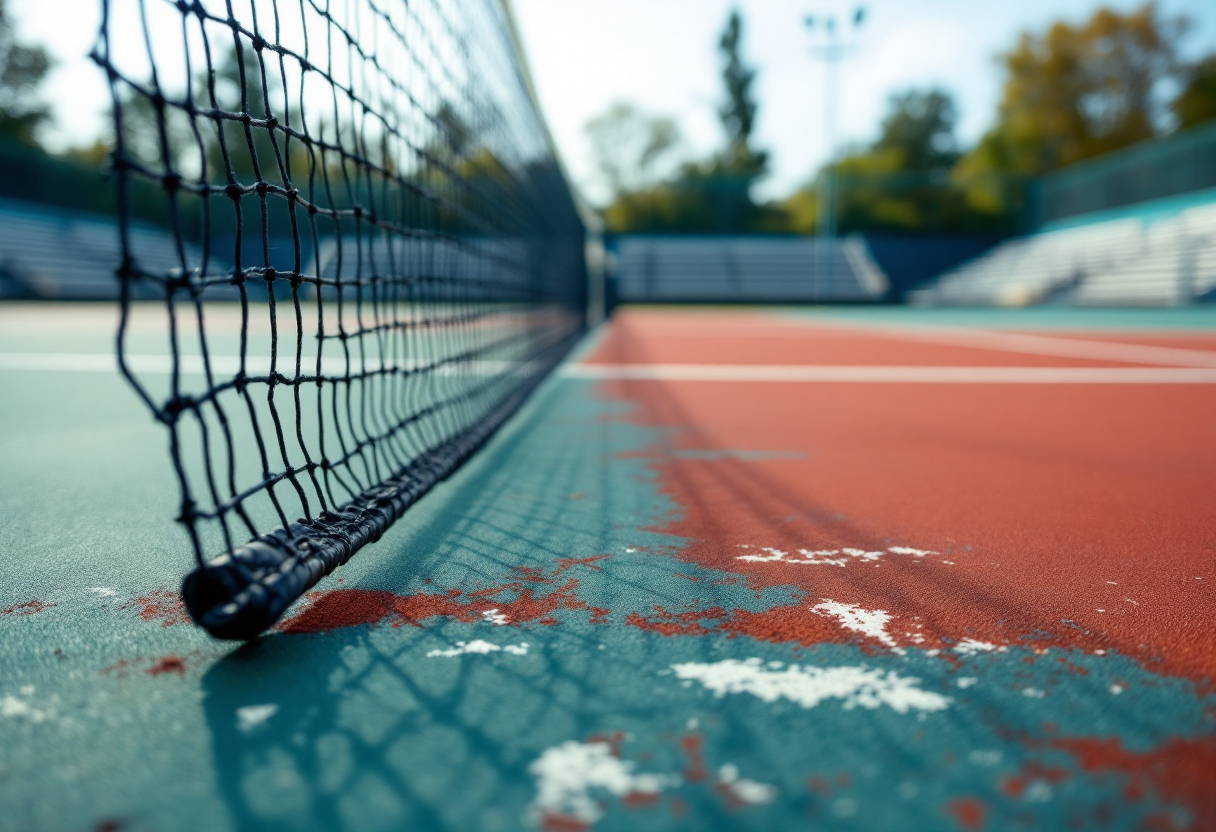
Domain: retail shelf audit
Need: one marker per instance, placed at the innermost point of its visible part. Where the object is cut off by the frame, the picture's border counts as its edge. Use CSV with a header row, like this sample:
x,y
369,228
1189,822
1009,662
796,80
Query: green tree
x,y
23,68
1196,103
1076,92
919,131
715,196
630,147
709,196
901,182
738,110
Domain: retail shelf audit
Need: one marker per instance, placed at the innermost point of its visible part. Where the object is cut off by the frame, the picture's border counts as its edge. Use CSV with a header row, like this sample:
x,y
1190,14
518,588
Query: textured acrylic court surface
x,y
657,604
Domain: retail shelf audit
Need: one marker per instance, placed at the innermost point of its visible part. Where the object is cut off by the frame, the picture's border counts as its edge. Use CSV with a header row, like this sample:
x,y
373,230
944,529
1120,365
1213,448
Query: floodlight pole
x,y
832,51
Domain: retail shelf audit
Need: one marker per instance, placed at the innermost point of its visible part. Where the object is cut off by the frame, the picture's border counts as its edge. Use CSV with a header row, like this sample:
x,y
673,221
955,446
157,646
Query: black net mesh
x,y
377,257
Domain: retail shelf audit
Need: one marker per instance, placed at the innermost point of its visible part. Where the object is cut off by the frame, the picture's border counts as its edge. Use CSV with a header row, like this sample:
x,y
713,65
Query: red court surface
x,y
1072,514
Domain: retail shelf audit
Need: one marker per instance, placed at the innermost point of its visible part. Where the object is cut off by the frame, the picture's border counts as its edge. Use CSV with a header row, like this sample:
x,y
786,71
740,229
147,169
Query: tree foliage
x,y
1196,103
1076,92
23,68
631,146
738,109
900,182
708,196
918,131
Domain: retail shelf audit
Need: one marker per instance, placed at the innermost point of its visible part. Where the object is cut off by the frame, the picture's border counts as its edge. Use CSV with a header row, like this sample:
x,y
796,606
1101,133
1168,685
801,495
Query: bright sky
x,y
661,54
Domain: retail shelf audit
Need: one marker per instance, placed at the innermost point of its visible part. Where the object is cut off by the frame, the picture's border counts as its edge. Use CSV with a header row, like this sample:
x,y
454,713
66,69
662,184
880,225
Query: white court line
x,y
897,375
227,365
103,363
1033,344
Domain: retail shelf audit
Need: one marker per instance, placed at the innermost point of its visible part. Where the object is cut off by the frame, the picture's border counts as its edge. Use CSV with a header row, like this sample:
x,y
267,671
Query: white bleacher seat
x,y
745,269
1161,259
56,253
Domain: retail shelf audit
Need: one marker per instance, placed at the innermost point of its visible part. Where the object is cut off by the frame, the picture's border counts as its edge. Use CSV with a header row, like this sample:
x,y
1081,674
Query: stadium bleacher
x,y
745,269
1158,253
59,254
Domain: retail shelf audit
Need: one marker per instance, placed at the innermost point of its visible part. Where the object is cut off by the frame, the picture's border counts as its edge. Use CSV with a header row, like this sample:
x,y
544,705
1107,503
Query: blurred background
x,y
933,152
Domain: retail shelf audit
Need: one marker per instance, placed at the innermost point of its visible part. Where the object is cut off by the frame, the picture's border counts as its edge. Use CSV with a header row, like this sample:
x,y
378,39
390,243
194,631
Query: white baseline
x,y
830,373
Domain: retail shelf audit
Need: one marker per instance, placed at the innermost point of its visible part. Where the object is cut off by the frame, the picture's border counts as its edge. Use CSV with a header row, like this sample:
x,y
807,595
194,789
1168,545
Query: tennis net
x,y
377,258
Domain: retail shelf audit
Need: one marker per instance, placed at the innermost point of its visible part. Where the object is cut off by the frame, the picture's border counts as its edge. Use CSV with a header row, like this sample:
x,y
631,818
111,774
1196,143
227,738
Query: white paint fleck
x,y
1113,583
1117,689
969,647
872,623
251,716
1099,652
13,708
568,774
1037,791
948,562
1130,601
984,758
966,682
808,686
103,591
479,647
824,557
1033,693
908,550
692,724
771,555
1101,610
494,617
845,807
27,690
744,790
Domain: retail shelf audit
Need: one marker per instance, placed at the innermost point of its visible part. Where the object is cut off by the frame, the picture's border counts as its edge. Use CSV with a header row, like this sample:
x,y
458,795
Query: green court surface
x,y
540,643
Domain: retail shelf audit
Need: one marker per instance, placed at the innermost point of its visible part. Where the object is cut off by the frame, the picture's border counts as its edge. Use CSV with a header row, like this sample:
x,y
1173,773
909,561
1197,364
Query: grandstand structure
x,y
1136,228
52,253
670,269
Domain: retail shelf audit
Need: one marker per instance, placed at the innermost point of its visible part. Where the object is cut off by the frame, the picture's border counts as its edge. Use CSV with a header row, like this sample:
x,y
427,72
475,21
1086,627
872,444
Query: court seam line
x,y
831,373
1027,344
797,373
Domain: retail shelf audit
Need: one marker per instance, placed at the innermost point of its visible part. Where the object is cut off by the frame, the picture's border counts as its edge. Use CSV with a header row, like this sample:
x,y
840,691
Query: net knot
x,y
262,188
177,279
175,407
233,192
171,181
188,514
258,43
126,268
